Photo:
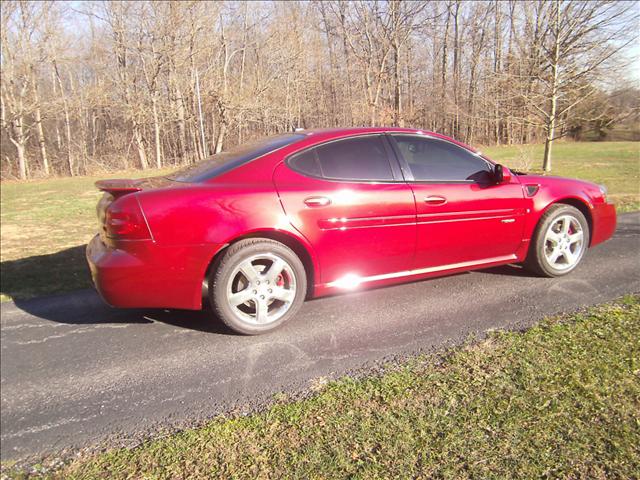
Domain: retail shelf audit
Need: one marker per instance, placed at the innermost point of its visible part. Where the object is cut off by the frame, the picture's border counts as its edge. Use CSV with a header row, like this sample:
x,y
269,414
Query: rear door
x,y
350,202
462,215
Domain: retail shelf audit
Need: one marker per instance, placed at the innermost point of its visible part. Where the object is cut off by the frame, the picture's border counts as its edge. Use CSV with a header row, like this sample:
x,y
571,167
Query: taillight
x,y
124,220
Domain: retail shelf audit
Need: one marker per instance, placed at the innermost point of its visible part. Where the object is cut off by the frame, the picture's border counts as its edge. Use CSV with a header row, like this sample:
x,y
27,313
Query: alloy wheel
x,y
564,242
261,289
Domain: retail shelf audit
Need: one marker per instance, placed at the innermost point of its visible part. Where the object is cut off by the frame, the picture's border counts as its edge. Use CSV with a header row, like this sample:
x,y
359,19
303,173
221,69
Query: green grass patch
x,y
45,227
614,164
561,400
46,223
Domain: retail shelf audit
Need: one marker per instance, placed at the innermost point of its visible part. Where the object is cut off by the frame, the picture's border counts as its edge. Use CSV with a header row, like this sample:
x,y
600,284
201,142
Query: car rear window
x,y
225,161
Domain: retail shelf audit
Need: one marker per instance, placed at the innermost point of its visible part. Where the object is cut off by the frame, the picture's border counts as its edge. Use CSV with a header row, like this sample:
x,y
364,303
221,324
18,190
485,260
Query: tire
x,y
559,242
267,275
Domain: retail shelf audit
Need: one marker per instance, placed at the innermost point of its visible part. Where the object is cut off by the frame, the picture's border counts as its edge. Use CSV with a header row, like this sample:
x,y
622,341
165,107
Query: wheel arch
x,y
304,253
579,204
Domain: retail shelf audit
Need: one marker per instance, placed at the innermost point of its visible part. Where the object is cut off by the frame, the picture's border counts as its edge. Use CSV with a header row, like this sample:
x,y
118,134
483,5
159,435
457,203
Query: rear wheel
x,y
257,286
560,241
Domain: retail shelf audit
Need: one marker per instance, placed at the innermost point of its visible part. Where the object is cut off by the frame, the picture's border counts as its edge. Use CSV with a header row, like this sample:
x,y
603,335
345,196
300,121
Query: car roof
x,y
328,133
356,130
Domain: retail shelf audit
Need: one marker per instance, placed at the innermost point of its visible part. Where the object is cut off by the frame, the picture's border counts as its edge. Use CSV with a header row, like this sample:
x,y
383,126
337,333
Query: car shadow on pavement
x,y
509,270
45,274
39,275
86,308
202,321
67,268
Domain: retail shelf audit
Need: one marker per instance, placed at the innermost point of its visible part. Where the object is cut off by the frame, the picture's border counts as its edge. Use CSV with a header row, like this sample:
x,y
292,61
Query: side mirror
x,y
501,174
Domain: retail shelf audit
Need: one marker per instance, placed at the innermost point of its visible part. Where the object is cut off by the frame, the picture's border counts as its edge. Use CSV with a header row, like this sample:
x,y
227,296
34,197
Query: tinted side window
x,y
437,160
360,158
306,162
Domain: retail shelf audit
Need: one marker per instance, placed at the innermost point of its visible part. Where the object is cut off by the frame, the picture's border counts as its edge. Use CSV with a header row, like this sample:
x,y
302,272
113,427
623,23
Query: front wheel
x,y
560,241
257,286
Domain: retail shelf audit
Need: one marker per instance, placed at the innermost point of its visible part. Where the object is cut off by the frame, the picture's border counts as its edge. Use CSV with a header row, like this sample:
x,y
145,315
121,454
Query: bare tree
x,y
579,39
16,77
114,84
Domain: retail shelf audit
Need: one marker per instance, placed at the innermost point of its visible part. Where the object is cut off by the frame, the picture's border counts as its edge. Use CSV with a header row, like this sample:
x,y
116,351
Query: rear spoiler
x,y
119,186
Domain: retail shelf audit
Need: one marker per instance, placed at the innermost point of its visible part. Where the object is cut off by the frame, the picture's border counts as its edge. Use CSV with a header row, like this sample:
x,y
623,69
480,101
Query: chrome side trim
x,y
409,273
467,216
348,223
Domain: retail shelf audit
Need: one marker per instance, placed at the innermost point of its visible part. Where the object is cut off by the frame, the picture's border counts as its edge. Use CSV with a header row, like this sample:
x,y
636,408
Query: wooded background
x,y
90,86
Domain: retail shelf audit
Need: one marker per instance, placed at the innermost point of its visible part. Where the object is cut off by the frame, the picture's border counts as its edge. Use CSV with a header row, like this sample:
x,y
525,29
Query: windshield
x,y
226,161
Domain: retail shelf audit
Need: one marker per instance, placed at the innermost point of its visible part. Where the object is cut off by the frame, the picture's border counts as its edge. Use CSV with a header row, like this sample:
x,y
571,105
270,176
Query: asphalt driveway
x,y
75,372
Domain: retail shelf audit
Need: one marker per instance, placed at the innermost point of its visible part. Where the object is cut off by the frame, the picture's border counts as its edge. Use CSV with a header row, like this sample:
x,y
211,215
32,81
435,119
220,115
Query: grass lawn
x,y
46,223
614,164
561,400
45,227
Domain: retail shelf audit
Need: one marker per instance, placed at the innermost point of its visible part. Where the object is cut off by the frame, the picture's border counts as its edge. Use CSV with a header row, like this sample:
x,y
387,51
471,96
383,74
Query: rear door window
x,y
359,158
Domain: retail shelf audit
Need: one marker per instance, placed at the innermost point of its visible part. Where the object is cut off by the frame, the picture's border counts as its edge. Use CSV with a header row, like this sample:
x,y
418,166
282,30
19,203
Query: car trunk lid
x,y
119,187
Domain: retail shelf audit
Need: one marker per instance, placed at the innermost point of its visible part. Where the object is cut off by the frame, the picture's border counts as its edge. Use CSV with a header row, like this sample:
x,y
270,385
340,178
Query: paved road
x,y
75,372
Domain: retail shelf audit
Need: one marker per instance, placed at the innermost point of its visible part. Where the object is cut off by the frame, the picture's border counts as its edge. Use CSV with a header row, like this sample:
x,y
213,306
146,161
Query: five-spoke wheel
x,y
257,285
564,242
559,242
262,288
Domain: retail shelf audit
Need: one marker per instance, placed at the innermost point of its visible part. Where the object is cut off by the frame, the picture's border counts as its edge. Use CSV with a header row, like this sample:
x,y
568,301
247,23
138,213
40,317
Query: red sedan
x,y
258,229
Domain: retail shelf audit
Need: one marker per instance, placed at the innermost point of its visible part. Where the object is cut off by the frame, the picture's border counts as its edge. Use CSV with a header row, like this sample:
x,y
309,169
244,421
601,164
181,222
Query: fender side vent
x,y
531,190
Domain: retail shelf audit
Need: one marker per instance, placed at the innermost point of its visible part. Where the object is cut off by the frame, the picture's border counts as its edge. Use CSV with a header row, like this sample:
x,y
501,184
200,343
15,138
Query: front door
x,y
463,216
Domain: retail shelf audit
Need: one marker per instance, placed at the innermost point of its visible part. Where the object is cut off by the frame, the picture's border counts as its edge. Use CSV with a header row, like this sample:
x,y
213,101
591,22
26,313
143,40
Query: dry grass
x,y
45,226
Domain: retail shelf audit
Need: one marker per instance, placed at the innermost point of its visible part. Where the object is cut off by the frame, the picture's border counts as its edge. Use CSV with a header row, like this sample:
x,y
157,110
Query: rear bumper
x,y
604,222
146,275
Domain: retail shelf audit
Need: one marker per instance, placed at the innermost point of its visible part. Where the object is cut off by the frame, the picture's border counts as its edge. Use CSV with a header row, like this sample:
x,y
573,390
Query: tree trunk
x,y
333,89
54,82
395,46
94,132
156,132
553,101
221,134
456,70
347,63
409,73
67,121
497,68
18,141
138,138
182,129
200,117
81,146
397,97
443,85
39,129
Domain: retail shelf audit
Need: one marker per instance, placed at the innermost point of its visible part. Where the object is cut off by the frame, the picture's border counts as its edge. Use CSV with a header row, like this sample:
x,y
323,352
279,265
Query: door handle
x,y
317,201
435,200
